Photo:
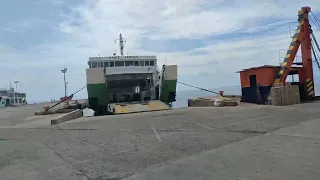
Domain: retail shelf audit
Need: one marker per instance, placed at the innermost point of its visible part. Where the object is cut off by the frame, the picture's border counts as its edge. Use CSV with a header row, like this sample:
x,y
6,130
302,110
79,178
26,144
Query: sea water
x,y
183,96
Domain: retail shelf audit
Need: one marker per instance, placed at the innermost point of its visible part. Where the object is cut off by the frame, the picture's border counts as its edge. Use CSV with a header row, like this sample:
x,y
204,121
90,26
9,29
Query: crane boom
x,y
301,39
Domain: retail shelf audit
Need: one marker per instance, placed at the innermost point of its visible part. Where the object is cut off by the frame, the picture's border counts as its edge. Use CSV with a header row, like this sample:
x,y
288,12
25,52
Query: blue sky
x,y
209,40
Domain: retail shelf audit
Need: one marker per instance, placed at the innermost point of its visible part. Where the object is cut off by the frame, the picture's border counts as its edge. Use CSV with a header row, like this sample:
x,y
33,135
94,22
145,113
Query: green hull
x,y
99,92
168,91
169,83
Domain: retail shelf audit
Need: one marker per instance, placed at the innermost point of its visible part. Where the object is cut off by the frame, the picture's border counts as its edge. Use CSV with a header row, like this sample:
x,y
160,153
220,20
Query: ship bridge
x,y
125,64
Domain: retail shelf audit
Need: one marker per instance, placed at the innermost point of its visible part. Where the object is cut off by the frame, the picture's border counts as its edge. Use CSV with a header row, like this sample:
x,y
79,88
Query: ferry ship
x,y
129,80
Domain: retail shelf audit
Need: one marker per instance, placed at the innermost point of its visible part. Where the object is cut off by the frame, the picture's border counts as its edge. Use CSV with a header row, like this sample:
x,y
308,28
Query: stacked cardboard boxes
x,y
276,96
285,95
295,94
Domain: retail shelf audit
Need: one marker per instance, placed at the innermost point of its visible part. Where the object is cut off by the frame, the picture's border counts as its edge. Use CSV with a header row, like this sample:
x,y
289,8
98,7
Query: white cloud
x,y
5,49
57,2
99,23
9,30
92,27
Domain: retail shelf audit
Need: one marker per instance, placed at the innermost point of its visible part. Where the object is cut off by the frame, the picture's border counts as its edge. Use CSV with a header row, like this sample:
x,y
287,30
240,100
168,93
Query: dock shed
x,y
256,82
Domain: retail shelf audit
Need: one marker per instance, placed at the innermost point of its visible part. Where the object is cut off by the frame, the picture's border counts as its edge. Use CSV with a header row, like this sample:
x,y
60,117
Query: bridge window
x,y
141,63
129,63
146,63
151,63
111,64
106,64
94,64
119,63
136,63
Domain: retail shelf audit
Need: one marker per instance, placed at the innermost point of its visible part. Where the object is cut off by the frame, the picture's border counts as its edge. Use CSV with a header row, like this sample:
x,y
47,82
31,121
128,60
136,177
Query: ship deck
x,y
245,142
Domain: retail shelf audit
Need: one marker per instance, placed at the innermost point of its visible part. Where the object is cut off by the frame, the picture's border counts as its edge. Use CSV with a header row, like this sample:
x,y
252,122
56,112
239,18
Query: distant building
x,y
12,98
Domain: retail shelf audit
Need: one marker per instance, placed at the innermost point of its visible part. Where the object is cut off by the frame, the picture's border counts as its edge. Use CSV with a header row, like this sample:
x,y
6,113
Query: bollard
x,y
46,107
221,93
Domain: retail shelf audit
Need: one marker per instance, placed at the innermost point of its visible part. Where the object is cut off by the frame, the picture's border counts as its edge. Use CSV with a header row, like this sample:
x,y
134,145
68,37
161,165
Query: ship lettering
x,y
126,57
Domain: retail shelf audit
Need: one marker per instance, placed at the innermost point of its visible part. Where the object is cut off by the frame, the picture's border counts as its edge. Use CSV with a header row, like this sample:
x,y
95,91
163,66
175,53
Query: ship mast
x,y
121,43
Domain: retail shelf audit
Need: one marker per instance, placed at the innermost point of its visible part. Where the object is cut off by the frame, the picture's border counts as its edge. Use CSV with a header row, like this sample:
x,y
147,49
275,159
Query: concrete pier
x,y
243,142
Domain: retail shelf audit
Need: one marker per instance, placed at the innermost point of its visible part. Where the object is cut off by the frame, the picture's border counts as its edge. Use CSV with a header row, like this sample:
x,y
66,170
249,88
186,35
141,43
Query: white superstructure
x,y
11,97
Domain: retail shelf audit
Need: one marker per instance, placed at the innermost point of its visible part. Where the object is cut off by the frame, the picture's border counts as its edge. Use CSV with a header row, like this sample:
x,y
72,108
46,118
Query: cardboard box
x,y
278,85
285,95
296,94
276,96
288,84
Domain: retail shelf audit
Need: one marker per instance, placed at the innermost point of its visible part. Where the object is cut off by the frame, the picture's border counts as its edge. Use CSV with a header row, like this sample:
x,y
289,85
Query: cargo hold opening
x,y
129,87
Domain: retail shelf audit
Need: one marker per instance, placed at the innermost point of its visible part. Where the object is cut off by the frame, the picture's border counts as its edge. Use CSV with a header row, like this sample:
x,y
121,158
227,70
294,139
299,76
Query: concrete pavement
x,y
257,142
23,116
287,154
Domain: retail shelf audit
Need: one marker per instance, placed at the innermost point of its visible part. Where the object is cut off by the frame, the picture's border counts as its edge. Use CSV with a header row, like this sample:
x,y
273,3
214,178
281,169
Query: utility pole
x,y
64,71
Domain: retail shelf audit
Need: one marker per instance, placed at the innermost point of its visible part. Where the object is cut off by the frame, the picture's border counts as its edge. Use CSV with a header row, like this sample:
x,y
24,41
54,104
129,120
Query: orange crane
x,y
301,39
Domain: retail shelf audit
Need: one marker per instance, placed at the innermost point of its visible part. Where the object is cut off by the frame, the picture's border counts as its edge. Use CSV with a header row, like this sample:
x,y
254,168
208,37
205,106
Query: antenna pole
x,y
121,43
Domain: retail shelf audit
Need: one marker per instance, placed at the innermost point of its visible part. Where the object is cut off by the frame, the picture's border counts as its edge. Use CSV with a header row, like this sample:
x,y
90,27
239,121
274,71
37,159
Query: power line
x,y
315,41
315,20
315,17
315,55
318,56
64,99
314,23
198,88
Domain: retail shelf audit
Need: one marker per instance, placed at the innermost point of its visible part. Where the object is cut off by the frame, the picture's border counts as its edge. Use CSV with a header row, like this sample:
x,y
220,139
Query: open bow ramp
x,y
135,107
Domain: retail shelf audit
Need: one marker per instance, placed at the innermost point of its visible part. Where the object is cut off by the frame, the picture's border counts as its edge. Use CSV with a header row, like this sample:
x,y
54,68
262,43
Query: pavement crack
x,y
61,157
173,114
248,131
79,129
81,139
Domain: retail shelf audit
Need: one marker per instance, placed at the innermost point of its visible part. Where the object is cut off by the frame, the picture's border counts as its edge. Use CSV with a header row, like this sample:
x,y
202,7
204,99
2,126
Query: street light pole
x,y
64,71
